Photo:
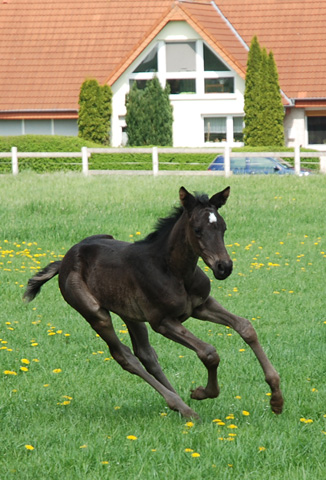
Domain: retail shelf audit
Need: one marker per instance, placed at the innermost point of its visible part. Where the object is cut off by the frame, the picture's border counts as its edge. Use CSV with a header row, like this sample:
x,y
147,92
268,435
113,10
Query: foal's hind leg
x,y
145,352
78,296
212,311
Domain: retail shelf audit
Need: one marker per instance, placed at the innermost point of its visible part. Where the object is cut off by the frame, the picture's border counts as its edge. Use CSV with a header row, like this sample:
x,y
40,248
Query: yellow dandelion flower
x,y
189,424
29,447
238,397
105,462
132,437
188,450
195,455
245,413
57,370
9,372
83,446
262,449
232,426
24,369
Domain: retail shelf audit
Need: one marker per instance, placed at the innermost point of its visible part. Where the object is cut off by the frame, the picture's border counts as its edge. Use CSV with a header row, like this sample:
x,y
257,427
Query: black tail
x,y
35,283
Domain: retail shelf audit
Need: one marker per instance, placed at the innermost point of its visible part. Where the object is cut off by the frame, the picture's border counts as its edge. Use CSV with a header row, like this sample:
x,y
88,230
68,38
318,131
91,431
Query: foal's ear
x,y
187,200
219,199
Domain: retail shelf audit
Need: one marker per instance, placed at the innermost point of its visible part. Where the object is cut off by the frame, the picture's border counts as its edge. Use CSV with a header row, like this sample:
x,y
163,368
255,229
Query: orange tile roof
x,y
47,49
295,32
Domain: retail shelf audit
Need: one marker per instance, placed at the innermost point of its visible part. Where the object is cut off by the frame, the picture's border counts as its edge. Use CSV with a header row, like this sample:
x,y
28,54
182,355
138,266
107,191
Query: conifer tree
x,y
252,92
274,118
135,116
264,111
94,112
149,115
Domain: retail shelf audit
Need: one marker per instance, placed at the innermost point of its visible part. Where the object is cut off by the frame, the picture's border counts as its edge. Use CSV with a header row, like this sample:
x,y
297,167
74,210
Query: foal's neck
x,y
182,259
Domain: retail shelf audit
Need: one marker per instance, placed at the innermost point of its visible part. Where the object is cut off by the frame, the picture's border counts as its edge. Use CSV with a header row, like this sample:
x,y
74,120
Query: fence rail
x,y
86,153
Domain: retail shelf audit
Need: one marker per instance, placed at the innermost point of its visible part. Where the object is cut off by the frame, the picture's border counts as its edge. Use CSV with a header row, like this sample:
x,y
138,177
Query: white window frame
x,y
199,74
229,129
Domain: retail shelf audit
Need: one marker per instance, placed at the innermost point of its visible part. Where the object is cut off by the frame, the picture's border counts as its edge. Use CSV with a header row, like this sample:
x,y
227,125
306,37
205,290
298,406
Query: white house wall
x,y
294,127
188,109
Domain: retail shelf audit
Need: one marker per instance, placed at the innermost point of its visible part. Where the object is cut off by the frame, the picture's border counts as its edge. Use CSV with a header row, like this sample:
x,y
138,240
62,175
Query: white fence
x,y
86,153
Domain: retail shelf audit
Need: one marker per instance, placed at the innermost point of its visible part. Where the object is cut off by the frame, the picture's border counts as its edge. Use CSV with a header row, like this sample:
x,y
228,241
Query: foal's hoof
x,y
201,393
277,404
190,414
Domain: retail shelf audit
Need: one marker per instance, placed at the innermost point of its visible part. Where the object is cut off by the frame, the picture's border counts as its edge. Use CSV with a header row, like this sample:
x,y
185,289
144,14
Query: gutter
x,y
56,110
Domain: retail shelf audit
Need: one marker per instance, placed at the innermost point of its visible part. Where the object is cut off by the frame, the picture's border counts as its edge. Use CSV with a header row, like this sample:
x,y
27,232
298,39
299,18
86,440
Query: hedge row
x,y
117,161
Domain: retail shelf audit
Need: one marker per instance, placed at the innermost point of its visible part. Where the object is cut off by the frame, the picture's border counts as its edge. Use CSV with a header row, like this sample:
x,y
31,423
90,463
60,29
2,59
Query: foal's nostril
x,y
223,270
220,268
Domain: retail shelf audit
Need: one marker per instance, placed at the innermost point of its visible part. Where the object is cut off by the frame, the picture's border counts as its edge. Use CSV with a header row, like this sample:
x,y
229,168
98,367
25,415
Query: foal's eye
x,y
197,231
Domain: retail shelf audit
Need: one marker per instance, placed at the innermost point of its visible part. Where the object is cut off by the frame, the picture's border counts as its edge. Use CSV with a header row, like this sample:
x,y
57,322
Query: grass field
x,y
69,412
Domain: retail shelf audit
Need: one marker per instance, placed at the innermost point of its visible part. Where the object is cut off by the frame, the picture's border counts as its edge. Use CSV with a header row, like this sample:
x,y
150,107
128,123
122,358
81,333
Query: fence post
x,y
85,160
14,160
322,163
155,161
227,161
297,158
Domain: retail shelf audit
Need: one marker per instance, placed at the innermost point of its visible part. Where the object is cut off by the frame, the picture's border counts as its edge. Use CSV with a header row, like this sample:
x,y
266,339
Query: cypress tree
x,y
94,112
149,115
106,111
159,111
251,93
135,116
275,115
264,111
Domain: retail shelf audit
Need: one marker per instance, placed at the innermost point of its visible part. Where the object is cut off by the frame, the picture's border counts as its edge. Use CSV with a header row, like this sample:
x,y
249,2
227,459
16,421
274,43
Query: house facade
x,y
206,93
198,47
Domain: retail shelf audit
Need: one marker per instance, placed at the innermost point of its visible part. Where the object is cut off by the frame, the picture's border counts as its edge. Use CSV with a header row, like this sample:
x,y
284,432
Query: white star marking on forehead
x,y
212,218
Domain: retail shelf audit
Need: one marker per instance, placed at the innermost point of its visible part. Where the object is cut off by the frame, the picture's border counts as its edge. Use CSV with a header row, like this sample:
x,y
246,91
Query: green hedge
x,y
117,161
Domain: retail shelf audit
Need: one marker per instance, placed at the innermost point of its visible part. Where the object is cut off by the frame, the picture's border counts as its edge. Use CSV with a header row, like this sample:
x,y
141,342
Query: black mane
x,y
164,225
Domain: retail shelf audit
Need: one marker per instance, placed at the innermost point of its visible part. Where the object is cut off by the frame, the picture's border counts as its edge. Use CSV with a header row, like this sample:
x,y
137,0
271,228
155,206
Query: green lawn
x,y
67,409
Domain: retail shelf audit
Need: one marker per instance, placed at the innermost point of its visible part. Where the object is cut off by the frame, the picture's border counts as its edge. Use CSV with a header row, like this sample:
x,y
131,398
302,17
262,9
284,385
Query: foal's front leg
x,y
174,330
212,311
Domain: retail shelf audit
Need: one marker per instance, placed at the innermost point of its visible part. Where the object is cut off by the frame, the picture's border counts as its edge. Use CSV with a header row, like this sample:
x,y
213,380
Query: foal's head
x,y
205,230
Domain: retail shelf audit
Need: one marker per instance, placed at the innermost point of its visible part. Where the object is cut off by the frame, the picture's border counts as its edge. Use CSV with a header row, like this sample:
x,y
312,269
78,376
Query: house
x,y
198,47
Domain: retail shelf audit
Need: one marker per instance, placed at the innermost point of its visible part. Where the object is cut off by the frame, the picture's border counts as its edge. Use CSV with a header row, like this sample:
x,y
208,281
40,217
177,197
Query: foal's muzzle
x,y
222,269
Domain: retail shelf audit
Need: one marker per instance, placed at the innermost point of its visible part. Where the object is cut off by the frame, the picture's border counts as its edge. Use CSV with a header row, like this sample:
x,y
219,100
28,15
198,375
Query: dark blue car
x,y
255,165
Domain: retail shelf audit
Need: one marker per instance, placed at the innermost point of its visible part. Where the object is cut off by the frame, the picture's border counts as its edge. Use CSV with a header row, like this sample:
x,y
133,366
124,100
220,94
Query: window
x,y
219,85
149,64
223,129
215,129
316,130
181,57
238,129
189,67
182,85
141,84
212,63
